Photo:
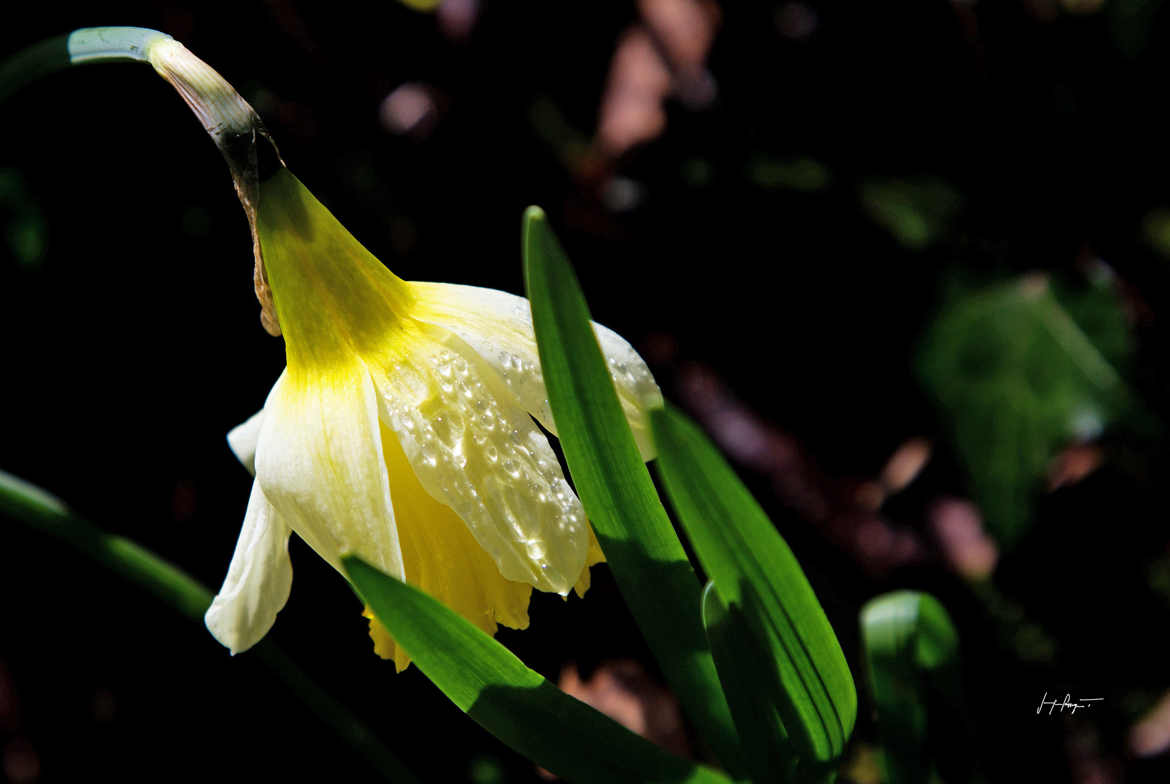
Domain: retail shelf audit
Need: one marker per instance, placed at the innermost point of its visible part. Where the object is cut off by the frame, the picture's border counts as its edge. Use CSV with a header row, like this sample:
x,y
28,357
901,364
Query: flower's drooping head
x,y
404,428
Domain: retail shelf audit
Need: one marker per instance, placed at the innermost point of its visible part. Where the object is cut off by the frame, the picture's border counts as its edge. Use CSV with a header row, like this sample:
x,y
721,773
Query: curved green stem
x,y
87,45
28,503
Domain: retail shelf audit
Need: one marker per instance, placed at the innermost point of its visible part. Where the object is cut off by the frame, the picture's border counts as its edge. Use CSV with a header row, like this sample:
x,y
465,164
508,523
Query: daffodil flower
x,y
402,431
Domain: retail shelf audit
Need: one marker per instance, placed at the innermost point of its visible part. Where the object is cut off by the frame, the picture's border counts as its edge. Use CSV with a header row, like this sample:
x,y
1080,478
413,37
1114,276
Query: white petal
x,y
498,325
474,448
258,579
320,462
243,439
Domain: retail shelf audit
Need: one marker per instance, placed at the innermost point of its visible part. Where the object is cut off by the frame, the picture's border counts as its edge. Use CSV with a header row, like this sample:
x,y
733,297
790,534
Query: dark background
x,y
131,340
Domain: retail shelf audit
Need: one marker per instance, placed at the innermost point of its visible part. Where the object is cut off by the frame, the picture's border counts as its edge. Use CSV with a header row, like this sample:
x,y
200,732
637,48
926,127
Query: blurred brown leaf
x,y
905,464
631,109
623,691
1073,464
845,509
664,54
966,547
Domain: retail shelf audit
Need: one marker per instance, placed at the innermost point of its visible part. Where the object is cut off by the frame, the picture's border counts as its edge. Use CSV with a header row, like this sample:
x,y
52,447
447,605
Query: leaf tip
x,y
355,568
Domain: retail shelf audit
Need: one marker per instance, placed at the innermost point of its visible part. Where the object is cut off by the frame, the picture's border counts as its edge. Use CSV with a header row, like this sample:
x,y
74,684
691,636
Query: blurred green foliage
x,y
911,649
1131,22
1019,371
1156,230
799,174
22,225
916,211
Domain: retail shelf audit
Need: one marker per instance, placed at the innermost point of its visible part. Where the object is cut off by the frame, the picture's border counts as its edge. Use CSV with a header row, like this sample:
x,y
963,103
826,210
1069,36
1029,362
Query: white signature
x,y
1067,702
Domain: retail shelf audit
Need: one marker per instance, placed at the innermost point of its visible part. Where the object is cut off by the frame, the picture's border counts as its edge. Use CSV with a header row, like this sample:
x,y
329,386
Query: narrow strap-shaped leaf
x,y
651,568
755,571
514,703
766,749
911,648
43,511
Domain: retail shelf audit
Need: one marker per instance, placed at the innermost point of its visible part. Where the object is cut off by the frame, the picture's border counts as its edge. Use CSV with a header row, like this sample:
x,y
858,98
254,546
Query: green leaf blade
x,y
514,703
755,570
651,568
766,748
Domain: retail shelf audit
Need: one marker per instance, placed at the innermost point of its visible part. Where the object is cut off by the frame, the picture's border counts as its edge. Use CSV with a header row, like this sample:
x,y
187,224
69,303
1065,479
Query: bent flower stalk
x,y
402,429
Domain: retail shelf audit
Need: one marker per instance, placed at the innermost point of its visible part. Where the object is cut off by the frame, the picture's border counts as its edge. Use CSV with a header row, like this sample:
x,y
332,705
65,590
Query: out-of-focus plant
x,y
22,225
911,654
1021,370
915,211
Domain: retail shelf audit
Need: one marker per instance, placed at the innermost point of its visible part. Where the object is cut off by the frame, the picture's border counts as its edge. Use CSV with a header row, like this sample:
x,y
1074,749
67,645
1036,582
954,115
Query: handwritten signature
x,y
1072,705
